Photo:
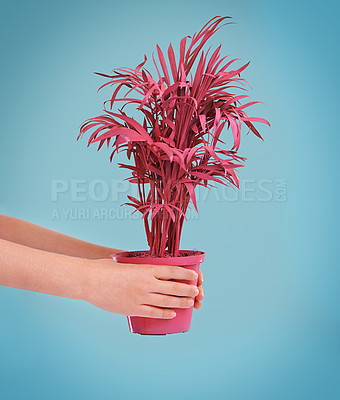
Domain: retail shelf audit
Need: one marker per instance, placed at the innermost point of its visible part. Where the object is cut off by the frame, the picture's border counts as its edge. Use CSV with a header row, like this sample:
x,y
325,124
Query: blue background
x,y
270,325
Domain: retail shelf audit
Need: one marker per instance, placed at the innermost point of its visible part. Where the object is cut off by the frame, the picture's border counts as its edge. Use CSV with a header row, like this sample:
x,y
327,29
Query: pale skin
x,y
39,259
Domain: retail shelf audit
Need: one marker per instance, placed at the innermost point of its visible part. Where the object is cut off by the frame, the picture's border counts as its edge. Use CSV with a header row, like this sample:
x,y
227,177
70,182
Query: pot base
x,y
156,334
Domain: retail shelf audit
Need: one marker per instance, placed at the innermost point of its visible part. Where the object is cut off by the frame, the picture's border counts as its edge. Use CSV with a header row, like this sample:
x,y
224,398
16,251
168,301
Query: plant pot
x,y
154,326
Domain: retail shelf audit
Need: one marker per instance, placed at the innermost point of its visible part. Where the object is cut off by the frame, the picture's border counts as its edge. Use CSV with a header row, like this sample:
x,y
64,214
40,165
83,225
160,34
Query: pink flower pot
x,y
154,326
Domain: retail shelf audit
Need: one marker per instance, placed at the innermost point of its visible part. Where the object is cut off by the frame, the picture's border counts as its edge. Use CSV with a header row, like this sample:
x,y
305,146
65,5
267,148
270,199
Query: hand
x,y
200,296
140,290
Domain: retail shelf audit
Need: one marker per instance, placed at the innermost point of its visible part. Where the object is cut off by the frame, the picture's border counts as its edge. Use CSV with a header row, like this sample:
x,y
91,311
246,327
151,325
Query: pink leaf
x,y
235,131
252,119
134,124
163,64
191,191
172,61
202,119
129,134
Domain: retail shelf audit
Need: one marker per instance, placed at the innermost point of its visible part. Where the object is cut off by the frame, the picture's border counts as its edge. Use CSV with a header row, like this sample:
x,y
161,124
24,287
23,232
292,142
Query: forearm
x,y
40,271
128,289
37,237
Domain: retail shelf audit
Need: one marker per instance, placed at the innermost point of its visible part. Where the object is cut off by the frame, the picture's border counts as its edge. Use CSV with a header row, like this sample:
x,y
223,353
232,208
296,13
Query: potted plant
x,y
179,144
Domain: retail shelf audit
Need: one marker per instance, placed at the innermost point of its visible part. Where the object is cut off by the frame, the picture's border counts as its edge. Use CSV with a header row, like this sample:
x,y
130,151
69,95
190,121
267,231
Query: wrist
x,y
76,277
84,281
91,279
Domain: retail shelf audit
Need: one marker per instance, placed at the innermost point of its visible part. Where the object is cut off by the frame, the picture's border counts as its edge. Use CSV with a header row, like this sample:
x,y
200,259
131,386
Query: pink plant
x,y
179,145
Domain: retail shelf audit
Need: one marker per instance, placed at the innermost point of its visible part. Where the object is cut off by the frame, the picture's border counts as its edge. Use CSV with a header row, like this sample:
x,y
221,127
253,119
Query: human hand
x,y
140,290
200,296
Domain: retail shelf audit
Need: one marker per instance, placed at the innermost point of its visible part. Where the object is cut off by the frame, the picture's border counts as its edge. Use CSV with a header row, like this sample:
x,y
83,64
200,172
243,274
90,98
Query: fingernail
x,y
172,314
191,303
197,291
196,275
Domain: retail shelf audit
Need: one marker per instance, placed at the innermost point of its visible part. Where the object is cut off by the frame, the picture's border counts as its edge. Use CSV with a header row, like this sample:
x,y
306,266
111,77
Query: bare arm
x,y
32,235
127,289
22,267
42,260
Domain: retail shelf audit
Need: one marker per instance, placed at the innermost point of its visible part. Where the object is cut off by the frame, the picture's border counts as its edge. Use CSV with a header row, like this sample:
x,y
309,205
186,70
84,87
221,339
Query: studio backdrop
x,y
269,326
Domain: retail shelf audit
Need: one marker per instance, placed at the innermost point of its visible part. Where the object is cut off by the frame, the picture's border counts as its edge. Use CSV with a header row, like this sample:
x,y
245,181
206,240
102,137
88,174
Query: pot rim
x,y
190,258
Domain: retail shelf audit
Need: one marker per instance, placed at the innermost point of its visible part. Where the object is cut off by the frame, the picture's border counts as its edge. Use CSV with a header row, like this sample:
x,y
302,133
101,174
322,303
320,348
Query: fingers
x,y
172,272
161,300
200,295
197,305
155,312
200,278
199,298
176,289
